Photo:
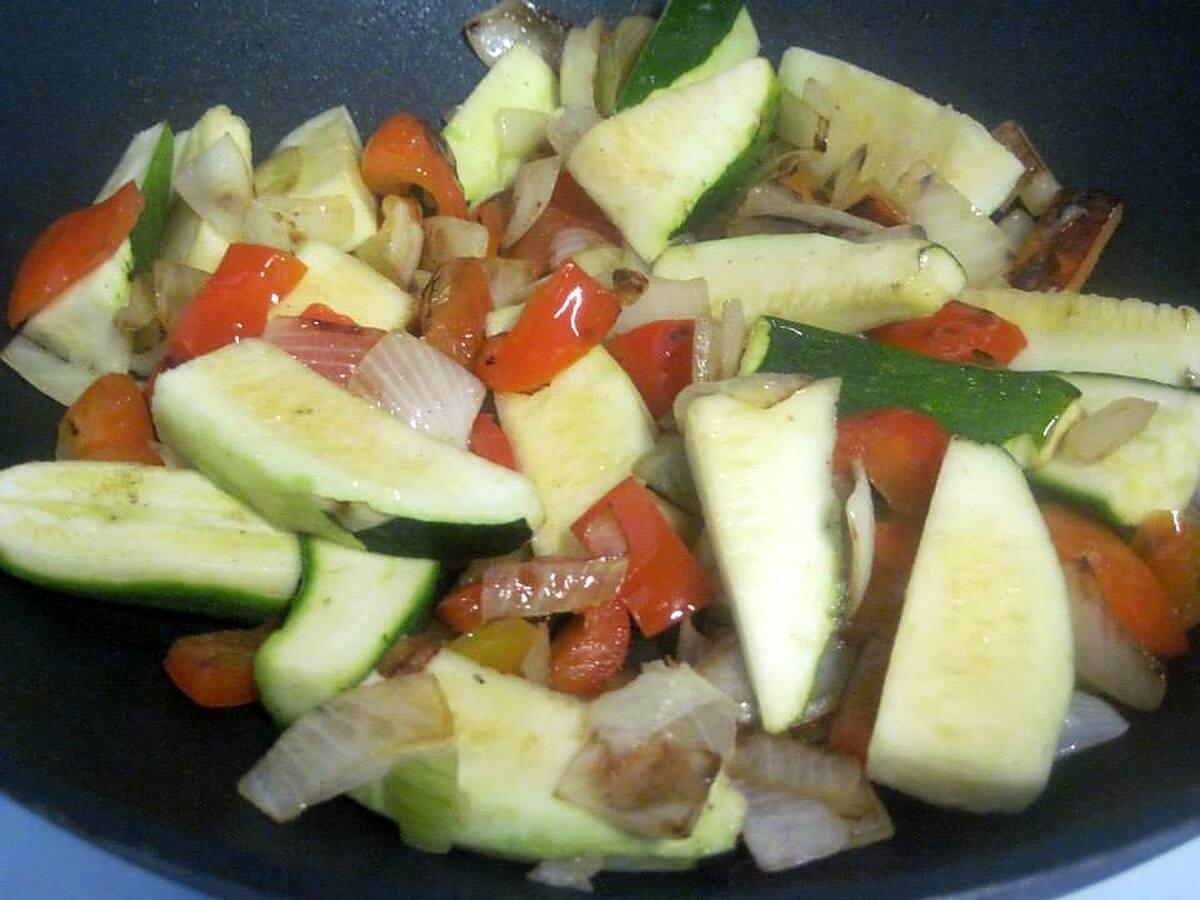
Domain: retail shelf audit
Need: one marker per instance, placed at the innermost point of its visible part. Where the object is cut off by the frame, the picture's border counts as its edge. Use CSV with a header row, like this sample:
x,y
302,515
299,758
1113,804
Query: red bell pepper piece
x,y
235,301
110,421
657,356
72,247
402,153
319,312
663,582
956,333
487,439
1133,593
1170,545
568,316
570,207
901,450
456,316
216,669
590,649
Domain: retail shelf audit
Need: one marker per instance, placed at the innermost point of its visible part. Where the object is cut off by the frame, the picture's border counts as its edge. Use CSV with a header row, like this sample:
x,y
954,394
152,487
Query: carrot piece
x,y
72,247
403,153
956,333
1170,545
110,421
488,440
1130,588
216,670
590,649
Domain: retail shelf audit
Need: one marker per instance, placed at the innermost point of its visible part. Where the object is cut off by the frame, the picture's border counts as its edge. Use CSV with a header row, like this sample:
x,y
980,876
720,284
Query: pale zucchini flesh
x,y
306,454
576,439
651,168
982,668
349,286
824,281
900,127
145,535
514,739
765,482
1158,468
350,607
1090,333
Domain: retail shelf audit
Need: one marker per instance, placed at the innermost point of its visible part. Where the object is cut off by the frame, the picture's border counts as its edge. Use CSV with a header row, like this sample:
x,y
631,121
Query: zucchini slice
x,y
349,286
350,608
982,668
991,405
314,458
576,439
662,166
514,739
145,535
765,481
900,127
1090,333
822,280
148,162
693,40
1158,468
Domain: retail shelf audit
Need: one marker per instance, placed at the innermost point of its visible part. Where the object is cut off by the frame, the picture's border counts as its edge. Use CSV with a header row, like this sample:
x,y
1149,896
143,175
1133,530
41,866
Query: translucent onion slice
x,y
618,53
657,788
894,233
535,667
761,389
691,645
784,830
668,700
1107,429
494,32
421,386
1106,658
602,534
59,380
724,667
776,200
287,222
833,671
541,587
448,237
786,763
330,349
574,874
1017,225
704,356
580,56
521,131
219,186
567,127
666,471
664,298
570,241
1089,722
395,249
507,280
353,739
174,287
532,189
860,522
731,338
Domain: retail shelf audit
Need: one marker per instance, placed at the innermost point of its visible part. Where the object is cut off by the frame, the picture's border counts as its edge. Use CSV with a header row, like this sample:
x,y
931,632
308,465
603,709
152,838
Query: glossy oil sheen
x,y
92,734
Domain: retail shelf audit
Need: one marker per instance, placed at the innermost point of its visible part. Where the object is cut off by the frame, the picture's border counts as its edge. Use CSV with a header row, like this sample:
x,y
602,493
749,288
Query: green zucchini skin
x,y
988,405
448,541
681,41
146,236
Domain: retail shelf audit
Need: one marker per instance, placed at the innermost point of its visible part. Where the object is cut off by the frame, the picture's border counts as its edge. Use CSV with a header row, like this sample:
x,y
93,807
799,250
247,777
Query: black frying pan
x,y
92,734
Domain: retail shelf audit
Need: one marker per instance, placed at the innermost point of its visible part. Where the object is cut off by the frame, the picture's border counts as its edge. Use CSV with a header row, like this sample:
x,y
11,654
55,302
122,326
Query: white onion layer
x,y
1089,722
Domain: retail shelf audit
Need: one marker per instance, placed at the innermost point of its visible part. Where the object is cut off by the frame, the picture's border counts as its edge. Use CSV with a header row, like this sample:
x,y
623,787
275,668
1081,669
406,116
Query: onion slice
x,y
567,127
330,349
575,873
448,238
421,386
532,189
287,222
219,186
1108,429
1089,722
664,298
724,667
541,587
494,32
784,830
58,379
666,700
353,739
761,389
790,764
860,522
665,470
776,200
1106,658
395,249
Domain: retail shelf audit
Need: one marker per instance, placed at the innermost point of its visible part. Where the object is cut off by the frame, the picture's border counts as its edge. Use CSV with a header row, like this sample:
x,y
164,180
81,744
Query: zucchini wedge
x,y
144,535
991,405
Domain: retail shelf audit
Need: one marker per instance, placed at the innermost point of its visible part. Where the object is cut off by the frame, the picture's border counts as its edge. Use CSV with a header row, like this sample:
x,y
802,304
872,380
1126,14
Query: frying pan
x,y
91,733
